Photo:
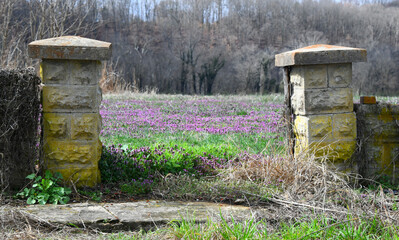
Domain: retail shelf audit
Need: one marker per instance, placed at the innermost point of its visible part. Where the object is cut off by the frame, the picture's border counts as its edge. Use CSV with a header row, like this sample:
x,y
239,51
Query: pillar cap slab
x,y
70,47
321,54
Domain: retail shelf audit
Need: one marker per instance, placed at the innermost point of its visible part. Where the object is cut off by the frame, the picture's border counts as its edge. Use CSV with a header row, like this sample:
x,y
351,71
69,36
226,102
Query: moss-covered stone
x,y
336,152
314,127
85,126
56,125
344,126
71,98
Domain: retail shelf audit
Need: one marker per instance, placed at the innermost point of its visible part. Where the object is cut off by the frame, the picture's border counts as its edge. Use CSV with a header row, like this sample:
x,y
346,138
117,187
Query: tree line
x,y
210,46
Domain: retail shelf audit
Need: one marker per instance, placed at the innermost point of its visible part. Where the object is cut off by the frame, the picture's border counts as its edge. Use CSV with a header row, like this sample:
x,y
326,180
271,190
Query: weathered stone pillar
x,y
321,99
70,70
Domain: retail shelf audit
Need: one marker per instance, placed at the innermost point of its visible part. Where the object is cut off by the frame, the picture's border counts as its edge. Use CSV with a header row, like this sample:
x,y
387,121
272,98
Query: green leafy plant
x,y
45,190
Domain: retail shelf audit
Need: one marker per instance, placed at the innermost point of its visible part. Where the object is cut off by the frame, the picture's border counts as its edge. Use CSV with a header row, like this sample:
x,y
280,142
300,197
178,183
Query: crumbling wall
x,y
19,126
378,140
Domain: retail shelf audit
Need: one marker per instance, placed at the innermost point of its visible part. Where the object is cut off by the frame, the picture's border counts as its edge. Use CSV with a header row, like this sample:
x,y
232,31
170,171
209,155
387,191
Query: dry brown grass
x,y
313,186
112,82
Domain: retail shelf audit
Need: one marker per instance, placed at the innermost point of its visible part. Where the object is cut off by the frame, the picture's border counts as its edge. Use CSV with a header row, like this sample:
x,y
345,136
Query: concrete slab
x,y
70,47
135,215
321,54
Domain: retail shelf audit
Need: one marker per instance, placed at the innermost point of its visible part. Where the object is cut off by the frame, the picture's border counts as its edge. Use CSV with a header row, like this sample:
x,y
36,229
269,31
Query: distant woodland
x,y
210,46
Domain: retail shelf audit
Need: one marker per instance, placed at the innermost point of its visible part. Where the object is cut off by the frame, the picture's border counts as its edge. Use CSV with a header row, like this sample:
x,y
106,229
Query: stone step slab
x,y
135,215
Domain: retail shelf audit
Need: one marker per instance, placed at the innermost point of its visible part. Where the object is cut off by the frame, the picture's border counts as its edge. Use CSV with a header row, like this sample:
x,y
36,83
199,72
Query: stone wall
x,y
378,140
19,126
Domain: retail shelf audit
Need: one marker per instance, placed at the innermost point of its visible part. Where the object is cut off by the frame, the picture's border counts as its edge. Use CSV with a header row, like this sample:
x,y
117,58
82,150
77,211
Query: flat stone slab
x,y
321,54
134,215
70,47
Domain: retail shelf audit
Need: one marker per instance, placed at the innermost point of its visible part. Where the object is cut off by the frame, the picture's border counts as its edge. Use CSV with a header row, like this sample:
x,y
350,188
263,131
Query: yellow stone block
x,y
54,71
55,125
336,152
387,115
320,126
68,153
84,72
80,177
344,126
301,126
339,75
85,126
310,76
314,127
71,98
385,157
321,101
75,161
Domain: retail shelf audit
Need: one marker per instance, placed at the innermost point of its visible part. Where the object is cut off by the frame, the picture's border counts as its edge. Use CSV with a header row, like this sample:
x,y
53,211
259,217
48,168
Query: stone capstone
x,y
368,100
320,54
70,47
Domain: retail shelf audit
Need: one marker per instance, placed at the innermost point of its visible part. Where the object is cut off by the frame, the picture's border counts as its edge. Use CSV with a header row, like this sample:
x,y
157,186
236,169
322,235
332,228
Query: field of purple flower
x,y
146,137
248,123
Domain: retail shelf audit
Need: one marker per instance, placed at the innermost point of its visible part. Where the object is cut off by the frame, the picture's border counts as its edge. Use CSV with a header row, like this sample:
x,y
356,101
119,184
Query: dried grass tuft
x,y
314,185
113,82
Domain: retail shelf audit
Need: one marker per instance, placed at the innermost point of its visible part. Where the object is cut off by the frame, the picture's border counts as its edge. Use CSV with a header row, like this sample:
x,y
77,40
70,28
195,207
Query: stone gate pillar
x,y
320,78
70,70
